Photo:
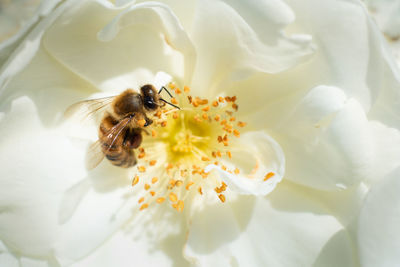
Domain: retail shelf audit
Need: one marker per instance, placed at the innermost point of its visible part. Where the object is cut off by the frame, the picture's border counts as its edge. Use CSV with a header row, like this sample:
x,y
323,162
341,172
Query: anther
x,y
241,124
174,101
141,168
160,200
135,180
173,197
144,206
268,176
205,109
222,198
189,185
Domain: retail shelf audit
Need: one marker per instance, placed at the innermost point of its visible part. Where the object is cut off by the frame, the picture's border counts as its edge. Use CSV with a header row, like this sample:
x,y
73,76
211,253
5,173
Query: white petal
x,y
42,163
387,15
17,18
235,38
379,231
33,176
326,140
125,250
285,229
343,57
6,258
132,57
255,154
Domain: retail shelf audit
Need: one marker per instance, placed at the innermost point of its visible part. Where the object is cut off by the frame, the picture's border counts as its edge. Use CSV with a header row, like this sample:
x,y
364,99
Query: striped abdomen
x,y
118,142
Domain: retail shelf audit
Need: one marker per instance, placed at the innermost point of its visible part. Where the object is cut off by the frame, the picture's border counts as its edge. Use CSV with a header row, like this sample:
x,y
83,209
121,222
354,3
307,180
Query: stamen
x,y
135,180
196,135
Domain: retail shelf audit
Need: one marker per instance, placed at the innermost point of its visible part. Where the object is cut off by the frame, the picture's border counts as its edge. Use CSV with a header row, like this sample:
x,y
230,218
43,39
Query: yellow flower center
x,y
191,138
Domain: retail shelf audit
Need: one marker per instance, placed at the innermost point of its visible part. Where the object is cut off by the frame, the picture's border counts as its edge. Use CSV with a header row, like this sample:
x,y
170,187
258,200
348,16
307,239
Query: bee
x,y
125,117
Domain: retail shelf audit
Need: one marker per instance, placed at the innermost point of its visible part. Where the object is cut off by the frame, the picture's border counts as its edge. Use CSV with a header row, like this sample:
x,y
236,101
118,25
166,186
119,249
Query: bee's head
x,y
150,97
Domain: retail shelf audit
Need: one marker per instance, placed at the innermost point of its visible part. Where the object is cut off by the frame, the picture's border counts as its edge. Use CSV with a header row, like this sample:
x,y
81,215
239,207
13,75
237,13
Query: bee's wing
x,y
95,153
88,108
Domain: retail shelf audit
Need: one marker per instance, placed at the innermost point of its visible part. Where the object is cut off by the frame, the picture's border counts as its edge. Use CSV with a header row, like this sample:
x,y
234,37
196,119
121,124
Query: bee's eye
x,y
150,104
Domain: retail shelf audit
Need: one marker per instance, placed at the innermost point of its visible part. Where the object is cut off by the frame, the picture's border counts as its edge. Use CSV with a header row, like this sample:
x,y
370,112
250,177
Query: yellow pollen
x,y
178,206
141,200
205,159
220,99
237,171
236,133
178,183
144,206
186,89
152,193
189,185
215,104
160,200
153,133
241,124
141,155
141,123
146,186
205,109
200,190
178,91
173,197
163,123
174,101
153,162
135,180
268,176
154,180
141,168
171,85
175,115
222,198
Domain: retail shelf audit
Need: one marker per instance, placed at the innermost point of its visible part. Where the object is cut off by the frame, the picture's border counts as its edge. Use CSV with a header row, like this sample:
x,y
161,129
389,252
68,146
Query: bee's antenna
x,y
163,100
165,90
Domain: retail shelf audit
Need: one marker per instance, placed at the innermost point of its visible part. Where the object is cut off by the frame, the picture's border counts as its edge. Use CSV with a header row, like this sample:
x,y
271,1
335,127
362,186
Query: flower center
x,y
173,157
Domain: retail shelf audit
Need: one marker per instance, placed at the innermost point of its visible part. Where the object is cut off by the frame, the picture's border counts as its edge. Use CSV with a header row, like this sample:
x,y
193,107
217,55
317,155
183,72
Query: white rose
x,y
314,83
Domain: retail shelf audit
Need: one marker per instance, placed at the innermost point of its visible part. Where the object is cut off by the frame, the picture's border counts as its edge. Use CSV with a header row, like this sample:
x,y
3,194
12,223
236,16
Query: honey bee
x,y
125,117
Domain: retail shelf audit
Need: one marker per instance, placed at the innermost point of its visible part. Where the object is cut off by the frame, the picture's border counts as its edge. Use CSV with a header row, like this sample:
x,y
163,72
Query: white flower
x,y
314,83
387,15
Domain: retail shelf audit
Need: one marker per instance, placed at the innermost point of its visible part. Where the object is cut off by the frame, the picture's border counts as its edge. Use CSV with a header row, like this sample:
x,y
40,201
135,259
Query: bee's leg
x,y
146,132
133,138
148,121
